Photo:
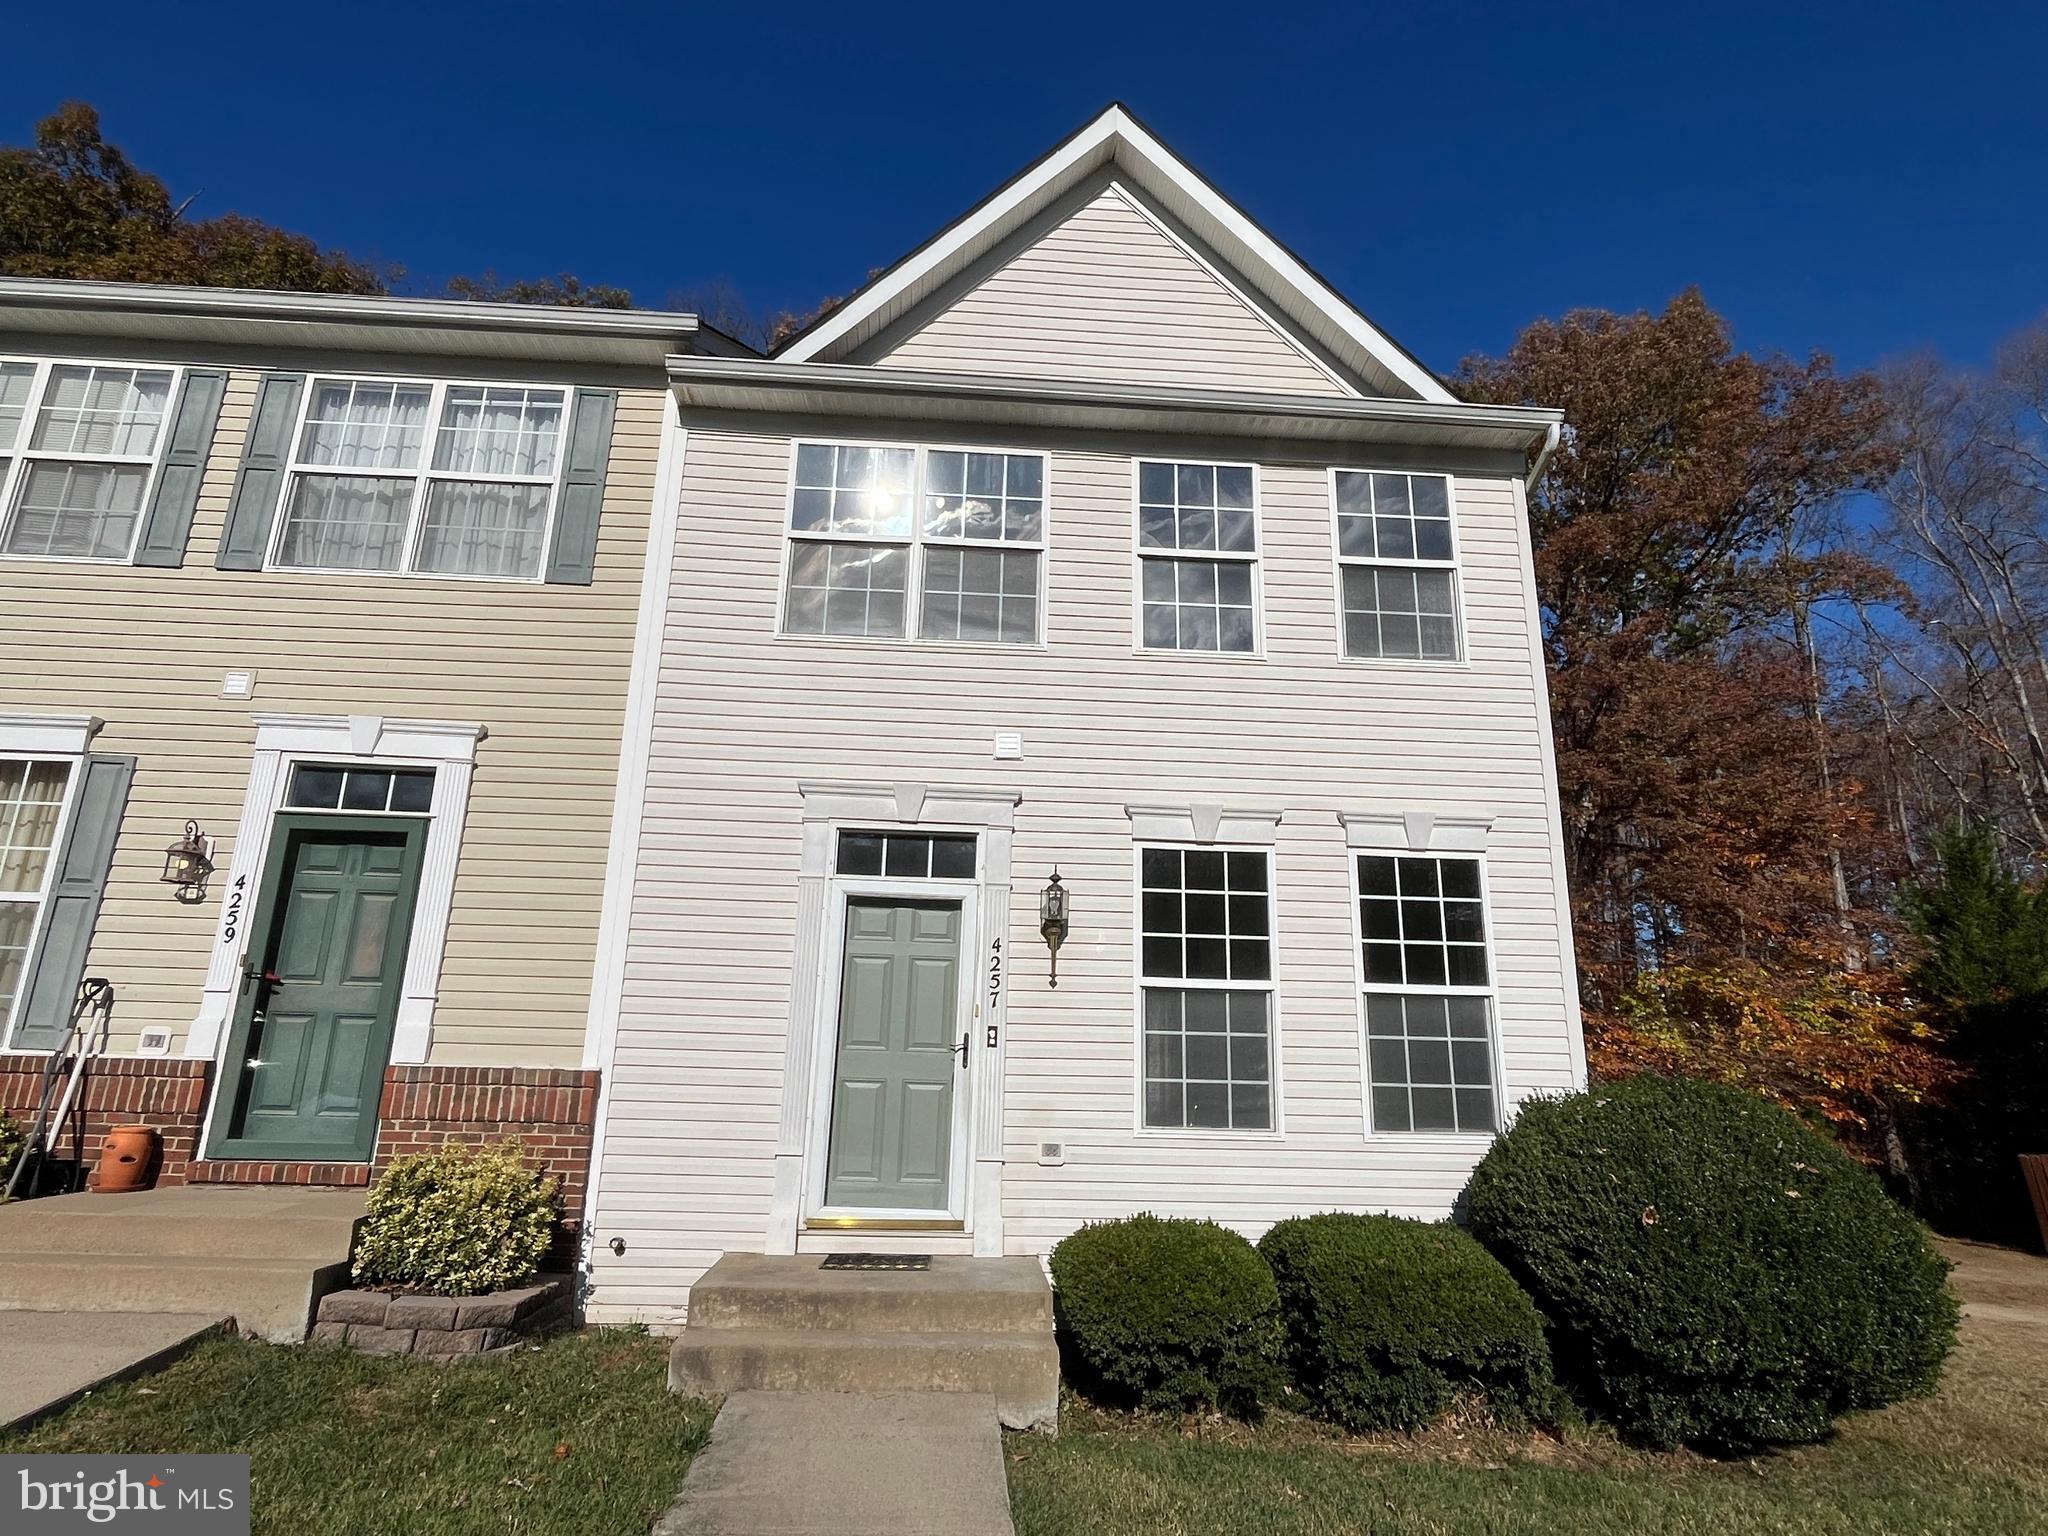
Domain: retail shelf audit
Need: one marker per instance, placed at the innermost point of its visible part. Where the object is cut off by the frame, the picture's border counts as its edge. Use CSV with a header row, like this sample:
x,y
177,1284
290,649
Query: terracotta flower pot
x,y
127,1156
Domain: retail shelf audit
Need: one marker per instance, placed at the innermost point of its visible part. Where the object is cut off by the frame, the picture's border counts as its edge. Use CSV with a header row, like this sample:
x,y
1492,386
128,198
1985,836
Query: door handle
x,y
962,1049
264,978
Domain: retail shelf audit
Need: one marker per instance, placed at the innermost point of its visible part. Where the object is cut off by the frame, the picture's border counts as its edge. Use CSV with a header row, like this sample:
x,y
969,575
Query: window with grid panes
x,y
1197,557
1395,565
78,445
31,806
945,543
1428,994
435,479
1205,947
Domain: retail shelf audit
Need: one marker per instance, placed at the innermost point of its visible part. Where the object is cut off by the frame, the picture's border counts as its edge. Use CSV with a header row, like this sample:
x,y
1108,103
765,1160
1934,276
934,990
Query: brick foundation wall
x,y
168,1093
551,1111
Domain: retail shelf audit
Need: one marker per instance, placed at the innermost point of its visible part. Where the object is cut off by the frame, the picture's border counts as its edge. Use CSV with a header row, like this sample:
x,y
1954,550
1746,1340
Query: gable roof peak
x,y
1117,140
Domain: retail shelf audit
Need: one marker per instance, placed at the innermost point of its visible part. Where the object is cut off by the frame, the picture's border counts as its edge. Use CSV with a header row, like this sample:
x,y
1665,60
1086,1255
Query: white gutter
x,y
157,299
758,383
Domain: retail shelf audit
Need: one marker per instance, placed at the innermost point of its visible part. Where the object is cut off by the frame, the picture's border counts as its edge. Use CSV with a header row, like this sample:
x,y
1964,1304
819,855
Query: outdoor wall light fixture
x,y
1052,921
188,862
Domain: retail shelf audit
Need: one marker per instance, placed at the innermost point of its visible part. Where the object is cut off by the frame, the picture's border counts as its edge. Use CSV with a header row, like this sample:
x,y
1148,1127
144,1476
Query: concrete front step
x,y
271,1298
989,1296
1020,1371
262,1256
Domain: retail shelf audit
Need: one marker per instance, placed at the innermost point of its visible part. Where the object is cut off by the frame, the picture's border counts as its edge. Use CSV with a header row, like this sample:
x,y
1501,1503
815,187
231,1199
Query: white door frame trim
x,y
965,895
906,806
449,748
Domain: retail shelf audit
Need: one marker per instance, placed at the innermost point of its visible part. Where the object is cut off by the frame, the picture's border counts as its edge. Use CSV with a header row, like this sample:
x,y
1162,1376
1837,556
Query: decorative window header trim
x,y
909,804
1203,824
1415,831
62,735
374,737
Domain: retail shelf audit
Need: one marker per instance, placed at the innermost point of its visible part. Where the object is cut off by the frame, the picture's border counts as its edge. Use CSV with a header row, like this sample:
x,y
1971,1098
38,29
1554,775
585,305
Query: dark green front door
x,y
320,989
899,1052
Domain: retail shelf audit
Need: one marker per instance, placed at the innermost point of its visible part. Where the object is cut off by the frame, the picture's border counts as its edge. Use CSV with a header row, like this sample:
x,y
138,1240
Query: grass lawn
x,y
1972,1459
577,1438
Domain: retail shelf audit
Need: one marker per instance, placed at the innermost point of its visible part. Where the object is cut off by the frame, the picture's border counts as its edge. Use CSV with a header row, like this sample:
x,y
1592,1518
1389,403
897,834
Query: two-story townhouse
x,y
1095,573
350,587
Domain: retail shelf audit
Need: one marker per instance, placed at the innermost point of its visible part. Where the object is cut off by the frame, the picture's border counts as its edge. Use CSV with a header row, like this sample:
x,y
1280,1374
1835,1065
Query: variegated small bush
x,y
459,1221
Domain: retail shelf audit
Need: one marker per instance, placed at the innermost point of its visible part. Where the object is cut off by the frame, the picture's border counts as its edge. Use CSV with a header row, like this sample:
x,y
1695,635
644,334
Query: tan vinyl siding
x,y
744,717
1107,295
543,668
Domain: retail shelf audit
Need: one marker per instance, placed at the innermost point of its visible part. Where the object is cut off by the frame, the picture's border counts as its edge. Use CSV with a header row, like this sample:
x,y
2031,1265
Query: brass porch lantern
x,y
1052,921
188,862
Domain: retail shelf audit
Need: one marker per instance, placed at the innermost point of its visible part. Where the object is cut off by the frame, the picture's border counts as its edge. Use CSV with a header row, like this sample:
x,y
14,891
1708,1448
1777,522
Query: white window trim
x,y
423,475
1141,552
829,808
284,741
20,455
43,738
1275,1077
1455,565
1424,834
917,542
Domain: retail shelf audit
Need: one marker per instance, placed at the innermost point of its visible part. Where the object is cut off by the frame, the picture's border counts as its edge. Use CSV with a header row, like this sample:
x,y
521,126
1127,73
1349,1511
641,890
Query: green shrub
x,y
1717,1274
1167,1313
458,1221
1390,1322
12,1137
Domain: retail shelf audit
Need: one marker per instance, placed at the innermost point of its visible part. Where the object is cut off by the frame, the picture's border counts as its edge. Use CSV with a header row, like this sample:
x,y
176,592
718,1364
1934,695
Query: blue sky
x,y
1862,179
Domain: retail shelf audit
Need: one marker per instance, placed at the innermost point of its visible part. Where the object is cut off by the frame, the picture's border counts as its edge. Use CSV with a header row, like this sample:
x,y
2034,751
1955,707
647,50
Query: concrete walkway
x,y
847,1464
49,1358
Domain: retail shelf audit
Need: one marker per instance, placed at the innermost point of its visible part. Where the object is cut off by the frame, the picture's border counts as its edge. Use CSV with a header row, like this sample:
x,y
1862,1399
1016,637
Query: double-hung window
x,y
1396,568
946,543
32,794
1205,945
1198,557
78,447
1429,1014
428,478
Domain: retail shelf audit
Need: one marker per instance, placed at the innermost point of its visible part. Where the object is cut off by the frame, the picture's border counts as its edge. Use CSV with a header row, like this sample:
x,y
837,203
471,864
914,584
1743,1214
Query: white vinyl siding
x,y
78,452
1108,294
742,718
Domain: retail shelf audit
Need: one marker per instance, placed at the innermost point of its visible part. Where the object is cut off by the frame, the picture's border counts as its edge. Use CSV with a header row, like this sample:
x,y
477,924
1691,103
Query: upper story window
x,y
78,445
32,793
952,540
1396,566
1197,557
430,478
1428,994
1205,963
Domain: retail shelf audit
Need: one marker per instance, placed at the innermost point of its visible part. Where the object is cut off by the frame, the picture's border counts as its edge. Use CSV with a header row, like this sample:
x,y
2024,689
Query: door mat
x,y
877,1261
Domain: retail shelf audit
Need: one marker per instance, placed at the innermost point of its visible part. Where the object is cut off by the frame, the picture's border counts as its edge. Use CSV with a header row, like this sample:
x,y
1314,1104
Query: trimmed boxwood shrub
x,y
1717,1274
1389,1322
457,1221
12,1138
1157,1312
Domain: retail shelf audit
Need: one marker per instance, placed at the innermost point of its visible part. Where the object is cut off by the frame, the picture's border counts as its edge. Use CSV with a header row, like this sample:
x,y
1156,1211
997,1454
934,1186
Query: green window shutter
x,y
73,904
574,558
261,480
184,466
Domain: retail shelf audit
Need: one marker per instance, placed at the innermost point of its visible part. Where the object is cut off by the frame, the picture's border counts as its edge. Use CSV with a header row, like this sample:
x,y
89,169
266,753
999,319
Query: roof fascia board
x,y
722,383
145,299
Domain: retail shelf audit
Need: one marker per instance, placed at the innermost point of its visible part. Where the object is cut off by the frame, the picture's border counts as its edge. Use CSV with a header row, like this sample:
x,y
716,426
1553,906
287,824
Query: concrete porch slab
x,y
48,1359
847,1464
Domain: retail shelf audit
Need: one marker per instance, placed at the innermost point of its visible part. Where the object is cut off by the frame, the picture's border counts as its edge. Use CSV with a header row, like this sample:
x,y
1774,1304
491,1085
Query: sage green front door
x,y
900,1051
320,989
